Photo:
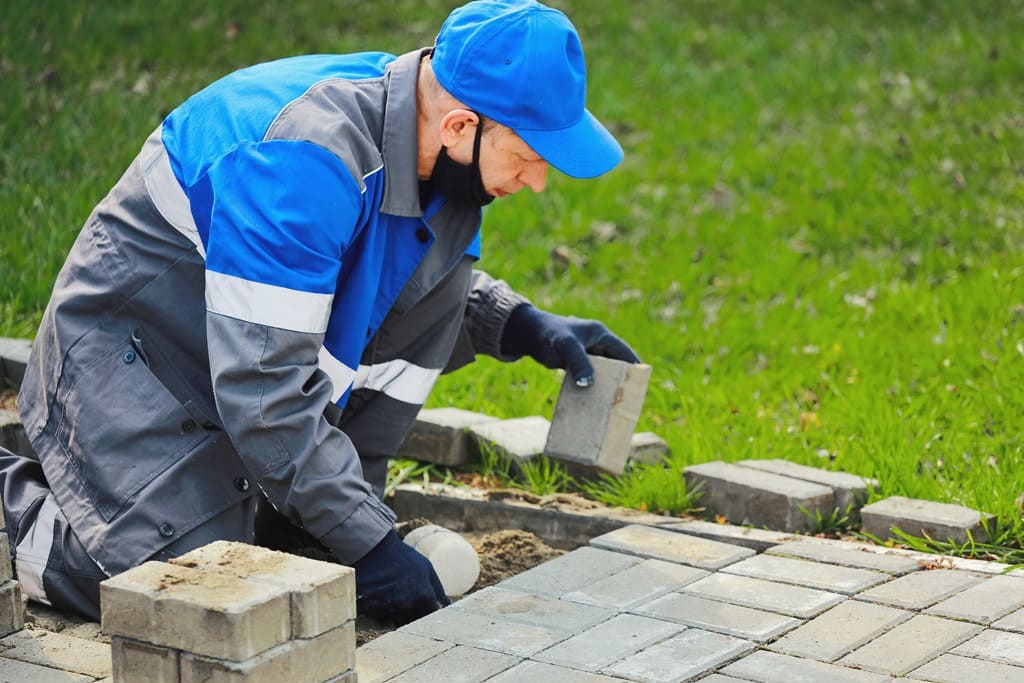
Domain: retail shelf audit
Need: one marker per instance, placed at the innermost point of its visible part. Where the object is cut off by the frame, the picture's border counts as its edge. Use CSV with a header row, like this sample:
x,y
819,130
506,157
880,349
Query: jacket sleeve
x,y
488,307
283,215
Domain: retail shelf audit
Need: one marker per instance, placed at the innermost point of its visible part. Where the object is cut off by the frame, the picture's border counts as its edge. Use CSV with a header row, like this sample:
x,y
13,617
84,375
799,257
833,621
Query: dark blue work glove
x,y
556,341
396,584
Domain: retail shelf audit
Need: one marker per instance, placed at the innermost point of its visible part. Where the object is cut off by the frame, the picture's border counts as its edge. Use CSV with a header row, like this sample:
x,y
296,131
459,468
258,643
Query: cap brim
x,y
584,150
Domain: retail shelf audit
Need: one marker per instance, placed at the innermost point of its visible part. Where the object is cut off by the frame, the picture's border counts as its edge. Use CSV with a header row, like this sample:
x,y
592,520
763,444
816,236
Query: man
x,y
261,304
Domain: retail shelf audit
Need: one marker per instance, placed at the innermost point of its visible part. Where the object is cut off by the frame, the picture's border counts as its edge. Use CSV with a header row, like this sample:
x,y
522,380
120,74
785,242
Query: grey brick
x,y
13,361
440,436
6,573
984,602
910,644
22,672
593,426
953,669
607,643
719,678
136,661
637,584
12,610
998,646
463,627
681,657
570,572
748,537
747,496
921,589
941,521
538,610
513,440
846,580
851,491
12,434
712,615
395,652
671,546
1011,622
458,665
795,601
769,667
647,448
539,672
58,651
840,630
847,555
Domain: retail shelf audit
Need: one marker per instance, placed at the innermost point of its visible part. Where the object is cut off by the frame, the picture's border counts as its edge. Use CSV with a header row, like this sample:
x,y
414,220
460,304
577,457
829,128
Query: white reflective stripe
x,y
32,554
269,305
165,191
341,375
399,379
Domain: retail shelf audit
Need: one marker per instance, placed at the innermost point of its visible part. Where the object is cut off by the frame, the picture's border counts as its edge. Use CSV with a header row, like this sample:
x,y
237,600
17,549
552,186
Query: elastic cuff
x,y
489,323
368,524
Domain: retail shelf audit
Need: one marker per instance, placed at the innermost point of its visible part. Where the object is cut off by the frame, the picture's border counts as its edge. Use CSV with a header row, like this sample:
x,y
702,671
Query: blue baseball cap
x,y
521,63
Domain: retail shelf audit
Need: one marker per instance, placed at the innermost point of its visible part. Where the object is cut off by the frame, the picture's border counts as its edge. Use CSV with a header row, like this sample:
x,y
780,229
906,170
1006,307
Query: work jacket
x,y
259,301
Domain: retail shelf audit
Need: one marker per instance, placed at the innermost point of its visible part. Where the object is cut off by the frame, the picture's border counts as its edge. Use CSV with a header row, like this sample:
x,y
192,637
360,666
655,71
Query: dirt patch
x,y
9,400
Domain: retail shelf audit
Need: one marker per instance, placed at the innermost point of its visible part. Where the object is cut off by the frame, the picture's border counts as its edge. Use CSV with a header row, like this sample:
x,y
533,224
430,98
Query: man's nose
x,y
536,175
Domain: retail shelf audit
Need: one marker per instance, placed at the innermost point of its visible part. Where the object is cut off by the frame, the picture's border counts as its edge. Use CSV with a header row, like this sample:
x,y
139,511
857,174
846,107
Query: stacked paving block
x,y
12,612
939,521
232,613
13,361
440,436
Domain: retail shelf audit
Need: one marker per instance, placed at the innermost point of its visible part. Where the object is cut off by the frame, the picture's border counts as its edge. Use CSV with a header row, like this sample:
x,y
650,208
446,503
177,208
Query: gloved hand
x,y
555,342
396,584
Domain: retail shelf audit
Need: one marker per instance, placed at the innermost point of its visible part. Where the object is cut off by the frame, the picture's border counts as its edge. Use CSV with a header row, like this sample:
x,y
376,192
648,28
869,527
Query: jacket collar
x,y
399,145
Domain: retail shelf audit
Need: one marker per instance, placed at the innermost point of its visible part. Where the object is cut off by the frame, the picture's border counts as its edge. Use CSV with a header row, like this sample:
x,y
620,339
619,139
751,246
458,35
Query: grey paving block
x,y
137,661
940,521
440,436
6,573
734,620
1014,621
513,440
392,653
12,610
463,627
647,448
748,537
58,651
637,584
795,601
22,672
846,555
681,657
570,572
719,678
910,644
537,672
593,426
984,602
607,643
851,491
770,667
761,499
997,646
12,434
539,610
954,669
458,665
921,589
671,546
840,630
846,580
13,361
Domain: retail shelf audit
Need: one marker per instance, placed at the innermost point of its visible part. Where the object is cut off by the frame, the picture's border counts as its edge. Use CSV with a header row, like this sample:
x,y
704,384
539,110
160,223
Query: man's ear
x,y
456,124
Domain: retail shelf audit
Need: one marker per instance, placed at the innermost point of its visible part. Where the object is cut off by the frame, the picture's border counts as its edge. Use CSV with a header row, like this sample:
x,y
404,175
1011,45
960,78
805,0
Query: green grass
x,y
815,237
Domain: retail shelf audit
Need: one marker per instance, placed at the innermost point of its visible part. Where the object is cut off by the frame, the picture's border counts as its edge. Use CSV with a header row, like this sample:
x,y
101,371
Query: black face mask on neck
x,y
461,182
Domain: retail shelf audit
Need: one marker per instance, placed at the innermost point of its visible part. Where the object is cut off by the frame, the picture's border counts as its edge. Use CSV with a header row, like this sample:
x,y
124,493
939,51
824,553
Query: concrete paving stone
x,y
513,440
794,601
748,537
647,448
941,521
322,594
719,678
13,671
921,589
12,434
949,668
910,644
847,555
771,667
138,661
681,657
572,571
538,610
607,643
440,436
300,660
733,620
6,573
846,580
392,653
997,646
671,546
851,491
637,584
14,354
188,609
460,664
1014,621
593,426
463,627
761,499
58,651
840,630
535,672
347,677
984,602
12,609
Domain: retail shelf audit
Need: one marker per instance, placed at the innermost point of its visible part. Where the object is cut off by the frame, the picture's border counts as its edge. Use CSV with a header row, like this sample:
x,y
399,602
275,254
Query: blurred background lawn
x,y
815,237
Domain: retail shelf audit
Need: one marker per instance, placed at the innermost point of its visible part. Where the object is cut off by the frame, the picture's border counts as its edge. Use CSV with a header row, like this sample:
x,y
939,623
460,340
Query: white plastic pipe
x,y
454,559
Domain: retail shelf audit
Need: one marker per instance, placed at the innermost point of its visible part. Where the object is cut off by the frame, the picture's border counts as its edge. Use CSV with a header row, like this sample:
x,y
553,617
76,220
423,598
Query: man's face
x,y
507,164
